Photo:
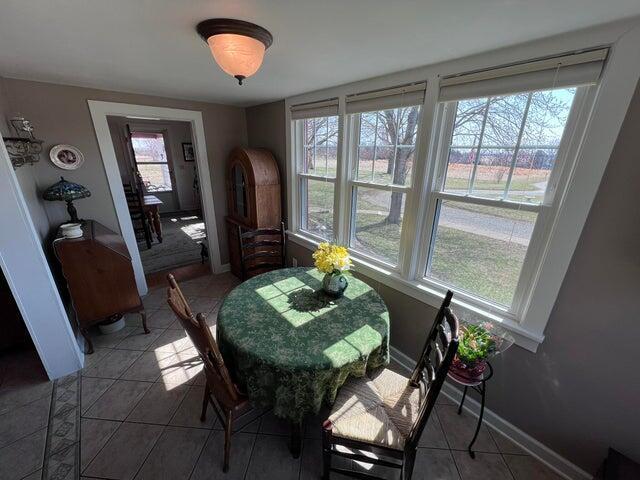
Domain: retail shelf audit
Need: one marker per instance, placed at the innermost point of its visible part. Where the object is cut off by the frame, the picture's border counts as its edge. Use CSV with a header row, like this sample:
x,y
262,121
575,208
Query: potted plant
x,y
332,260
477,343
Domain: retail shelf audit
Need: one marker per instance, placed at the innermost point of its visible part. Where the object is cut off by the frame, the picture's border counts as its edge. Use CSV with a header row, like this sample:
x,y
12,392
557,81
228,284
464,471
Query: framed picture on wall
x,y
187,152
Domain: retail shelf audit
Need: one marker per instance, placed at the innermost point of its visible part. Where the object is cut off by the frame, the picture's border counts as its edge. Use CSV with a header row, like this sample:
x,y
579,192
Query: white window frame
x,y
547,210
590,146
352,183
297,129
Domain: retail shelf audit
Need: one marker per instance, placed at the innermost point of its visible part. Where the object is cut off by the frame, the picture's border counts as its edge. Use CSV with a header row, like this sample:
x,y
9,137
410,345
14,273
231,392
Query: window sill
x,y
419,291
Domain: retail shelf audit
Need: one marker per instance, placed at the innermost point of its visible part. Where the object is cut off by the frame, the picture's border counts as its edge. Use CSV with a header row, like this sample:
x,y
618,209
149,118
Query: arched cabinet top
x,y
258,163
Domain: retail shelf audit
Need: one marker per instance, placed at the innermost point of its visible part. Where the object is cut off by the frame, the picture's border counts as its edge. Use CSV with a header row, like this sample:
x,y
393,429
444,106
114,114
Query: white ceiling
x,y
151,47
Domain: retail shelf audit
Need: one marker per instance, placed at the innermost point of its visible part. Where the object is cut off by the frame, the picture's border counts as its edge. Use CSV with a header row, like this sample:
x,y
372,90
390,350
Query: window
x,y
316,167
499,155
460,189
151,161
383,160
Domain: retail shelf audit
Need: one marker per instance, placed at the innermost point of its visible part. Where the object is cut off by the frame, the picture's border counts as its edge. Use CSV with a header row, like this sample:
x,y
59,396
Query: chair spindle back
x,y
260,253
217,375
432,368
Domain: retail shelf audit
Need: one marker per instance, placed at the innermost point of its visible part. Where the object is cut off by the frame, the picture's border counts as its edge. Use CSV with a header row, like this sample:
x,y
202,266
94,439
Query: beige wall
x,y
26,174
579,394
266,129
60,114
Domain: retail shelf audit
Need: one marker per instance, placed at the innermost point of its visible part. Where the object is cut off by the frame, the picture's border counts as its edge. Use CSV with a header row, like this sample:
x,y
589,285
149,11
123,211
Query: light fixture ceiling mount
x,y
237,46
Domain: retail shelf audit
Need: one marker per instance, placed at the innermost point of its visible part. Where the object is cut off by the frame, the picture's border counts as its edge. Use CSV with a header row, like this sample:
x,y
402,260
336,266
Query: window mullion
x,y
517,149
395,146
315,144
480,140
346,145
375,149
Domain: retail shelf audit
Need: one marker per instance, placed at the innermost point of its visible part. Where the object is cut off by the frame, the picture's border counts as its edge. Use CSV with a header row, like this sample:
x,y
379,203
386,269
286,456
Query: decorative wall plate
x,y
66,157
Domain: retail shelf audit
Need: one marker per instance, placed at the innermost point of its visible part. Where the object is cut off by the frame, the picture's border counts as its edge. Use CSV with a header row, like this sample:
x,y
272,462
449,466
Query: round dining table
x,y
290,347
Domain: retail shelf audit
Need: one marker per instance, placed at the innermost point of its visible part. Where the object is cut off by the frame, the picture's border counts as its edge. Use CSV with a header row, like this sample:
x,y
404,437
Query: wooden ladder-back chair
x,y
220,391
258,253
385,413
135,202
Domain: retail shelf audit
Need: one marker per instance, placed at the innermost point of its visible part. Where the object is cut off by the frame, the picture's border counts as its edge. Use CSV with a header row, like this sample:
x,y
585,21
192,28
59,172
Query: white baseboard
x,y
226,267
556,462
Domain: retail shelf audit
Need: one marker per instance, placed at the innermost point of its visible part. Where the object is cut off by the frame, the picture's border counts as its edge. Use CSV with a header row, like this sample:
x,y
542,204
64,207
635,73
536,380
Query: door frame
x,y
99,111
28,274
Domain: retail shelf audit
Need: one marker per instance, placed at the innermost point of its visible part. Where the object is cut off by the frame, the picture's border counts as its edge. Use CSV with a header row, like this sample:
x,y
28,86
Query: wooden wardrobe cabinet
x,y
253,196
99,275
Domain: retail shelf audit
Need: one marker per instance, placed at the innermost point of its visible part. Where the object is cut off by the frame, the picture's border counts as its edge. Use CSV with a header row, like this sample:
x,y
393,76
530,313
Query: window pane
x,y
480,249
459,169
530,124
547,117
531,174
378,222
504,120
317,204
155,177
148,147
492,172
468,122
320,137
388,137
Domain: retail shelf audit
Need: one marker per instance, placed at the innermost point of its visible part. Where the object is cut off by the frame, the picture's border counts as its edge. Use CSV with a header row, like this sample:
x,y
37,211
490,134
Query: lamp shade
x,y
65,191
237,55
237,46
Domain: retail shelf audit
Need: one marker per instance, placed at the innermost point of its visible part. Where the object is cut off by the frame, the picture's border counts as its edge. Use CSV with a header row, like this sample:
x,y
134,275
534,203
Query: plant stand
x,y
481,388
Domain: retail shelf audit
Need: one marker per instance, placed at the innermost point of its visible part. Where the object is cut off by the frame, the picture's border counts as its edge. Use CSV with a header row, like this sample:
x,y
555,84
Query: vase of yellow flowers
x,y
333,261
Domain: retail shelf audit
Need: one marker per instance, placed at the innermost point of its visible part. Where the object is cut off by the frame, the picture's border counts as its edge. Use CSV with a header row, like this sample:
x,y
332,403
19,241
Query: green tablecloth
x,y
290,347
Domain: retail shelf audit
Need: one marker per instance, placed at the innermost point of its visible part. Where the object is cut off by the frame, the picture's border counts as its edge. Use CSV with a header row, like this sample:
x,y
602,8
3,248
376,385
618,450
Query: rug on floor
x,y
181,237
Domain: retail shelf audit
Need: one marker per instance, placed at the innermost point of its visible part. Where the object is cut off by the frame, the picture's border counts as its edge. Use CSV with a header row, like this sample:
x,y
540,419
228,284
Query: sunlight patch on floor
x,y
195,231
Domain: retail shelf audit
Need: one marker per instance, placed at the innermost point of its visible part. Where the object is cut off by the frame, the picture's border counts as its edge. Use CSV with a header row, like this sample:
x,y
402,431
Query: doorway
x,y
100,111
160,180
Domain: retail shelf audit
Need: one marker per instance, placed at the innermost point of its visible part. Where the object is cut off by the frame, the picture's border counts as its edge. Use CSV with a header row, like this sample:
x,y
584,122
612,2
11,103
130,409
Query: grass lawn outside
x,y
471,262
477,264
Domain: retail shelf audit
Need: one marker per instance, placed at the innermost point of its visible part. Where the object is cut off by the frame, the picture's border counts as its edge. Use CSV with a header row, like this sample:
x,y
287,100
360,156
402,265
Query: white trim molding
x,y
99,112
533,447
27,272
599,112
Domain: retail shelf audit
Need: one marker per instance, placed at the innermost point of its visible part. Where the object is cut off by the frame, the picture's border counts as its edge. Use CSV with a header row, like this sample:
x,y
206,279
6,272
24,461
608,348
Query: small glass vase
x,y
334,284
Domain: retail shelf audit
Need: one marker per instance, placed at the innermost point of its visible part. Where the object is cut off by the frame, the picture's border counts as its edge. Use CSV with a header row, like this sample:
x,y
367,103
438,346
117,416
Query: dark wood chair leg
x,y
205,404
407,464
326,450
227,441
143,315
88,340
296,439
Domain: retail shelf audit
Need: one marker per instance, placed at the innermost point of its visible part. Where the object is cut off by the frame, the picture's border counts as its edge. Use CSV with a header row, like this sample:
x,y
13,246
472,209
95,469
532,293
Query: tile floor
x,y
140,404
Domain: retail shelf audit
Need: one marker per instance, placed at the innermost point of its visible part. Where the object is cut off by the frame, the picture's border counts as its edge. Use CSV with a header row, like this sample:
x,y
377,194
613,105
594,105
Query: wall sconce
x,y
24,147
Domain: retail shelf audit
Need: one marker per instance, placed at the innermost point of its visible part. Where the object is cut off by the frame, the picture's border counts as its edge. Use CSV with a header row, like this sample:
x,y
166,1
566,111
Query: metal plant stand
x,y
481,388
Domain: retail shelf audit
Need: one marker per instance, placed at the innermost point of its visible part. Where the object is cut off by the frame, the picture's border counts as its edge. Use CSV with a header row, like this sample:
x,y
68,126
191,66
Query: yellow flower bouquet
x,y
333,261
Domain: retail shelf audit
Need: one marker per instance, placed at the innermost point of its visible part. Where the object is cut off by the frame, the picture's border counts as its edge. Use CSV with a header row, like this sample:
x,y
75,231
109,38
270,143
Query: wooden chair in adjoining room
x,y
261,250
228,403
385,413
135,201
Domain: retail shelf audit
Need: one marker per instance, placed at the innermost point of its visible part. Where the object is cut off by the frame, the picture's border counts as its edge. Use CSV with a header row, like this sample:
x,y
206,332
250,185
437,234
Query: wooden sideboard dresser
x,y
99,275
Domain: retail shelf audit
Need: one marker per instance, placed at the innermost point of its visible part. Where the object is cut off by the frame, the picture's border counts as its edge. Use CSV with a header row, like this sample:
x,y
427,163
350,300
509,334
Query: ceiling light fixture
x,y
237,46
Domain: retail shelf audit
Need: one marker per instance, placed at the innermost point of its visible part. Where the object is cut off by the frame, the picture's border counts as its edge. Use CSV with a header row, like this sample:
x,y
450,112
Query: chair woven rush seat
x,y
385,413
380,409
